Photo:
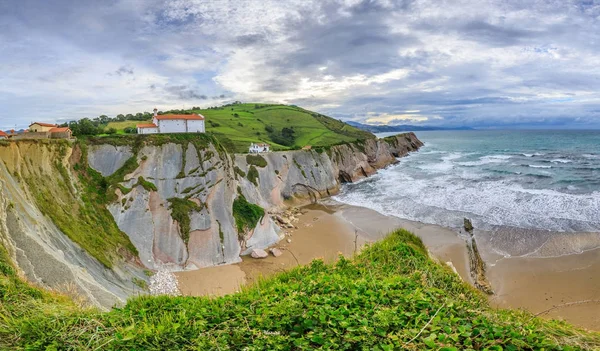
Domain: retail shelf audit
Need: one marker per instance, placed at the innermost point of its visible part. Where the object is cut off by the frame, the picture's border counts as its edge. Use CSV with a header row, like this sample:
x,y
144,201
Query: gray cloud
x,y
124,70
457,62
184,92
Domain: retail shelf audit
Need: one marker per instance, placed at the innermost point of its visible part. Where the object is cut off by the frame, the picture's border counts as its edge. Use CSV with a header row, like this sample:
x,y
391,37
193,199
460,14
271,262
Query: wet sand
x,y
325,231
567,286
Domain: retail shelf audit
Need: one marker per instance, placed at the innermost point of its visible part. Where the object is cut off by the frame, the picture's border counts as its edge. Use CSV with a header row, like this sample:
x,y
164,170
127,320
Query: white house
x,y
260,147
193,123
3,135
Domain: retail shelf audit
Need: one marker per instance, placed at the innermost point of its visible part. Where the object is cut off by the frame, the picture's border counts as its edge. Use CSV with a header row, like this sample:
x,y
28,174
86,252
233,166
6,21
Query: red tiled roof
x,y
59,130
44,124
147,125
187,117
3,134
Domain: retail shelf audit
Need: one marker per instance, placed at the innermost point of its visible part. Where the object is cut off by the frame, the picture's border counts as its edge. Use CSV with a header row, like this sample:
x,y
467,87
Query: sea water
x,y
537,180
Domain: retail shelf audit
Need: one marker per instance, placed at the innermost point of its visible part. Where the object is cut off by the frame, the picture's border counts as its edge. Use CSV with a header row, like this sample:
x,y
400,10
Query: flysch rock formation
x,y
45,255
205,175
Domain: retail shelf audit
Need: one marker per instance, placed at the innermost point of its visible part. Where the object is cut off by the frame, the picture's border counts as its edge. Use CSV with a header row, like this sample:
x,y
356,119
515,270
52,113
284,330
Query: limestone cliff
x,y
33,173
97,213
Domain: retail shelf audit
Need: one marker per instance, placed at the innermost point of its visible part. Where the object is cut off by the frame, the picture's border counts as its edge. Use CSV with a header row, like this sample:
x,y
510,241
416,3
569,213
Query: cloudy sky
x,y
480,63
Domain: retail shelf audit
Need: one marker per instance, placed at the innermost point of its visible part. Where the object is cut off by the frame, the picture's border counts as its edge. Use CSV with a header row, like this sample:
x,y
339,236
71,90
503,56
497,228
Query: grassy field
x,y
120,126
389,297
245,123
239,125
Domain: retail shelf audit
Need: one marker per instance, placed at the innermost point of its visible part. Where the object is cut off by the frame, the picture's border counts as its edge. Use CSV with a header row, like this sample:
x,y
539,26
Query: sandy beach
x,y
565,287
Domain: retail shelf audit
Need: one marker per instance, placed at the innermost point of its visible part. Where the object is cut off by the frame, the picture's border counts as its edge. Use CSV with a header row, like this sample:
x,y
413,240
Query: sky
x,y
477,63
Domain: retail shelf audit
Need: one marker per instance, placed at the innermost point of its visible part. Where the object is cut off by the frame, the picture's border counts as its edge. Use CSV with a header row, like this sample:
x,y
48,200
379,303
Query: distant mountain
x,y
401,128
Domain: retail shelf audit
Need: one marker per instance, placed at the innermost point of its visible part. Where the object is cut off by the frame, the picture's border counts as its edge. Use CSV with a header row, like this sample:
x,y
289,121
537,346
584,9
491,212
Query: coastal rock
x,y
476,263
276,252
198,171
259,253
468,225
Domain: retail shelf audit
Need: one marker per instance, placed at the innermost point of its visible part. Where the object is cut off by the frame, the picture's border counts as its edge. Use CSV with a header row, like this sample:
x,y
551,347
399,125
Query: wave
x,y
446,199
533,154
560,160
539,166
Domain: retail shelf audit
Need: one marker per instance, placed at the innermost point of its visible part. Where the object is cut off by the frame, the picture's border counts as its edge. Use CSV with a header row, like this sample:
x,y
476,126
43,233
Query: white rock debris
x,y
163,282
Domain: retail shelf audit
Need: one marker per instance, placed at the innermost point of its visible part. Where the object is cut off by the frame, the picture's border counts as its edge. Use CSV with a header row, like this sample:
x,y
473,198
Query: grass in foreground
x,y
390,297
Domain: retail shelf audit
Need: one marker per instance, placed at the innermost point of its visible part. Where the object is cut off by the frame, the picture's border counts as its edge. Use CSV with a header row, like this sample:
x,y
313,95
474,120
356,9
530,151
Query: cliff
x,y
97,213
35,185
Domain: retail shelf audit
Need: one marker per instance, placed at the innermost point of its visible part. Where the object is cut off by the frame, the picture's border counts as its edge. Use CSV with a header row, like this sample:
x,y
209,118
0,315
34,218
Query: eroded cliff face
x,y
172,202
184,172
300,177
43,253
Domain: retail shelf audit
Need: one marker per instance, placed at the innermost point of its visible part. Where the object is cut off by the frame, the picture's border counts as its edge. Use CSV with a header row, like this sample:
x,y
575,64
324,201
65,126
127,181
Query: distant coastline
x,y
401,128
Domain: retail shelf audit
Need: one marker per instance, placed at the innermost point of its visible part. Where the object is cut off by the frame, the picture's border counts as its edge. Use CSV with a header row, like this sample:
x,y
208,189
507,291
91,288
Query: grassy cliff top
x,y
389,297
238,125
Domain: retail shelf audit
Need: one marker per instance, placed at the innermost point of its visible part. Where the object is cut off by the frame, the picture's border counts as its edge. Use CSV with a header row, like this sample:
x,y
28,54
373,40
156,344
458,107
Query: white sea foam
x,y
560,160
533,154
591,156
539,166
446,198
486,160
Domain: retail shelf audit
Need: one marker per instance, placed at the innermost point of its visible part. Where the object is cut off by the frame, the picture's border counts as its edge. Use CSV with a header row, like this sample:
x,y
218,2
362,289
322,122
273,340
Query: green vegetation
x,y
77,207
256,160
121,126
146,184
389,297
237,125
253,175
181,209
246,215
272,124
239,172
140,283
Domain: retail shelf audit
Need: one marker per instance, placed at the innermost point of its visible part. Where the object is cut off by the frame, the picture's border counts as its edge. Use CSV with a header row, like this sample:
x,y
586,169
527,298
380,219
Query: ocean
x,y
537,180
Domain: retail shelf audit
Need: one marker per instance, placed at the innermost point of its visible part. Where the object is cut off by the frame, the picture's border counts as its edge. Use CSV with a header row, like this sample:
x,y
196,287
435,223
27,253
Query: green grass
x,y
246,215
120,126
78,208
236,126
181,209
256,160
253,175
310,128
390,297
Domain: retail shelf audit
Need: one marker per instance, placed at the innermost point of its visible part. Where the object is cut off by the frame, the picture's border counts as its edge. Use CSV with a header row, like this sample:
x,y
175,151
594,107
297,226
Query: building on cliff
x,y
38,130
39,127
170,123
3,135
259,147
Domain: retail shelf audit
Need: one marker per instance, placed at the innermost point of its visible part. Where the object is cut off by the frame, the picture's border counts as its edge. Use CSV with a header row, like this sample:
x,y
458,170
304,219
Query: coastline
x,y
328,229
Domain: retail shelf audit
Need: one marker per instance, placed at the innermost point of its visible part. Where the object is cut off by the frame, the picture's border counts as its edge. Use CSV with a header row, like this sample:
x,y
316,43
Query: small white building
x,y
3,135
259,147
193,123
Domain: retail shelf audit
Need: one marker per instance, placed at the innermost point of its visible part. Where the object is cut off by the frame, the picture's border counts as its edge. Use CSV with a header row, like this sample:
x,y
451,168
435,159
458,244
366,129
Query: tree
x,y
120,117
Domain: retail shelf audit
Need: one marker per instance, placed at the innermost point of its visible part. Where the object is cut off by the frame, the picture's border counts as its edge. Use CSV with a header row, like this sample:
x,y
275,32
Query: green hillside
x,y
390,297
247,123
238,125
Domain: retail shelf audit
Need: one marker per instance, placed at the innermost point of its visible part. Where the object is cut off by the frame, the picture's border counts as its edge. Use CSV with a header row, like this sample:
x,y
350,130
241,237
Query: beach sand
x,y
329,229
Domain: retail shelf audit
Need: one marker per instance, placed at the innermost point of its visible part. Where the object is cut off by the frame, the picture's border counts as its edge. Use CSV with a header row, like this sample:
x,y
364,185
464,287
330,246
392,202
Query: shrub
x,y
180,211
246,214
256,160
253,175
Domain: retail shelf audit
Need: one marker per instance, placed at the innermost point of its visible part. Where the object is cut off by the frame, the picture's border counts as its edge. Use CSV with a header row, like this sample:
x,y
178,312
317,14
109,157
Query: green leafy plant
x,y
246,215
